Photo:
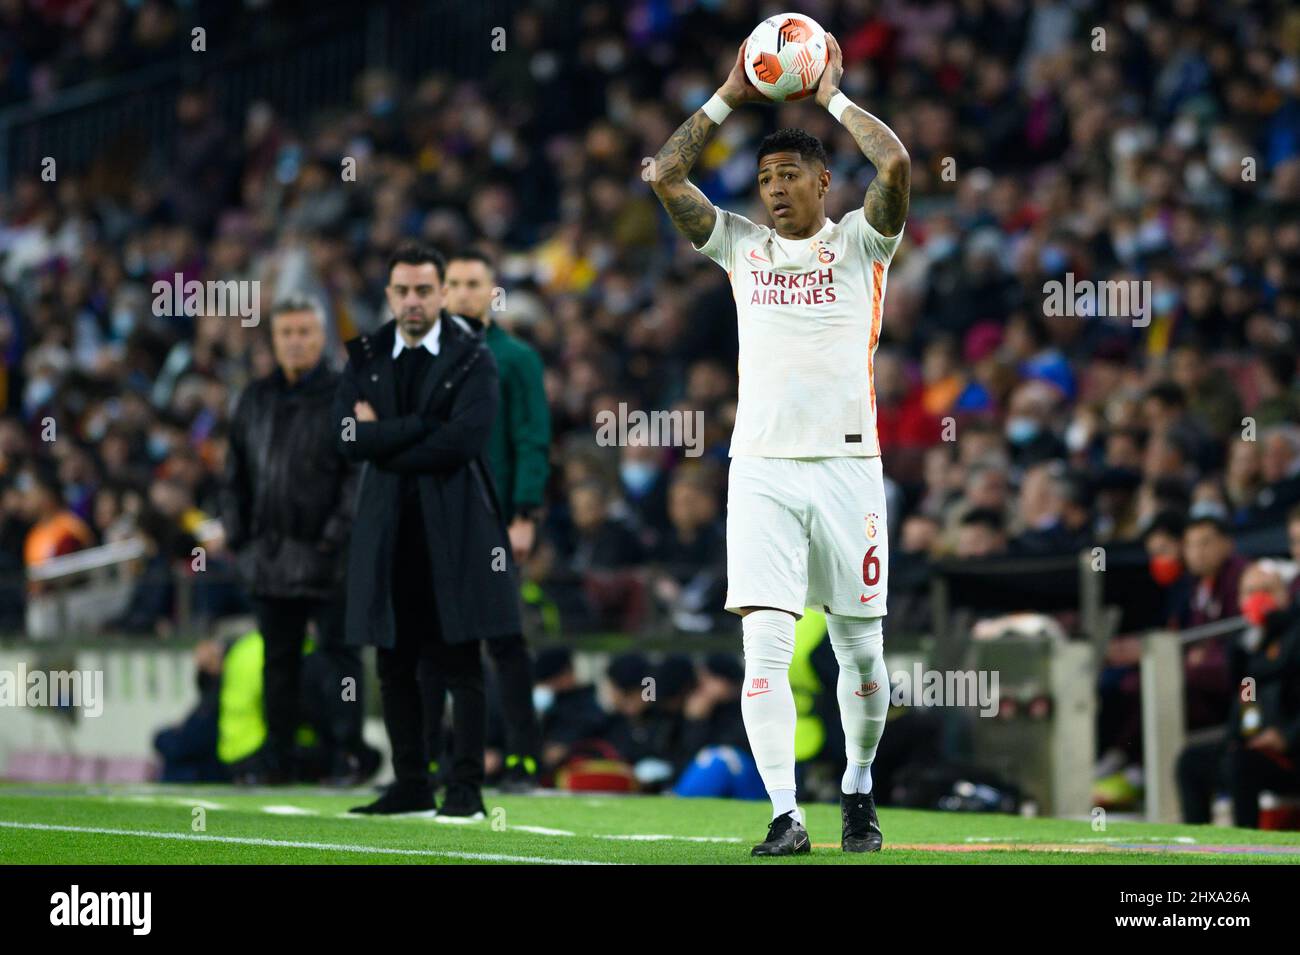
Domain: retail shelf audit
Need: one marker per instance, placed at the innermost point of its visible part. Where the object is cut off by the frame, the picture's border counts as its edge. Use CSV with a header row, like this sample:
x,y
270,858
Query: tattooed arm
x,y
691,212
888,195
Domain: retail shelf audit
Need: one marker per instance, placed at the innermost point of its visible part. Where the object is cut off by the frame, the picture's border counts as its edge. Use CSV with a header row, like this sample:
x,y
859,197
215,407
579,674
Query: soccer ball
x,y
785,56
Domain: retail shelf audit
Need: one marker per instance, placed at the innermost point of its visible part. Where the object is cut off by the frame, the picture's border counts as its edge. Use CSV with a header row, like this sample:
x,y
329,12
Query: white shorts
x,y
807,532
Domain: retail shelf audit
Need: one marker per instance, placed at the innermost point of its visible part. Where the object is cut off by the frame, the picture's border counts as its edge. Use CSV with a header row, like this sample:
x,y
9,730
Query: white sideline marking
x,y
631,837
288,811
289,844
169,801
1187,840
662,837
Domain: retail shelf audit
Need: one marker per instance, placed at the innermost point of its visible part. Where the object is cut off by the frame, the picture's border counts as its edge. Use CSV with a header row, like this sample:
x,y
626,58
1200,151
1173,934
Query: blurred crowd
x,y
1157,142
49,47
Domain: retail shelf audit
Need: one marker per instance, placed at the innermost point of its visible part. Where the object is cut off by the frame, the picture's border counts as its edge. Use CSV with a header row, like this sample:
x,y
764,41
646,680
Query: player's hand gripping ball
x,y
785,56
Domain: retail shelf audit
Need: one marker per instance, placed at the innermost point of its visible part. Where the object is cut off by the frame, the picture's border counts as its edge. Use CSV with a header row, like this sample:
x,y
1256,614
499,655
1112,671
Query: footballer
x,y
806,519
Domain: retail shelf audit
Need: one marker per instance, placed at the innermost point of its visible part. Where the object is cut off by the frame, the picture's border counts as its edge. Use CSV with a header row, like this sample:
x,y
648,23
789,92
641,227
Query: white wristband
x,y
716,109
837,105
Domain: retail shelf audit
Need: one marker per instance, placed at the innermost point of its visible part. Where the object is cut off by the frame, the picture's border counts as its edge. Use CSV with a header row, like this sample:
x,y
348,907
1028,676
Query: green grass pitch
x,y
154,824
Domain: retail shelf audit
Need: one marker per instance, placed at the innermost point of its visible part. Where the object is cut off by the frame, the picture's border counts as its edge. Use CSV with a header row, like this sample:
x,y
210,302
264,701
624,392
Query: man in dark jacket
x,y
1262,751
1209,554
287,514
517,451
570,711
638,728
430,572
189,748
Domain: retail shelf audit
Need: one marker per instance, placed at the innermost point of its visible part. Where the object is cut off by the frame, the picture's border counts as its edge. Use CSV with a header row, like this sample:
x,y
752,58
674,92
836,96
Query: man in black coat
x,y
430,573
287,512
518,464
1262,748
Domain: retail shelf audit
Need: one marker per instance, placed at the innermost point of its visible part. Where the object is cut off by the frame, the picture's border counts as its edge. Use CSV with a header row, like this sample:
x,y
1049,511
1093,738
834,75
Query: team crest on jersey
x,y
825,255
873,519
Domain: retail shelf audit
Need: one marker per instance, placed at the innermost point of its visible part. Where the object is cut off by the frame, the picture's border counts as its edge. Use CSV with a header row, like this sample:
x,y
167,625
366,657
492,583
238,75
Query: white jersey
x,y
809,315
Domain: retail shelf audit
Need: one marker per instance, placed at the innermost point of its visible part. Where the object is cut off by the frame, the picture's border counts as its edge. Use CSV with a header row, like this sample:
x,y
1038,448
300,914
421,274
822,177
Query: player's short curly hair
x,y
806,145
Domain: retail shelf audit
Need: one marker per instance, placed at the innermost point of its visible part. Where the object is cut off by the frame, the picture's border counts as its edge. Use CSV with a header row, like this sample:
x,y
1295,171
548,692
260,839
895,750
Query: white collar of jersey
x,y
429,343
827,225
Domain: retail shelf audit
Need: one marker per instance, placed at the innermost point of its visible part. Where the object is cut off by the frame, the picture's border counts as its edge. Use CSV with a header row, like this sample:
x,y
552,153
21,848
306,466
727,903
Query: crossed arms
x,y
413,444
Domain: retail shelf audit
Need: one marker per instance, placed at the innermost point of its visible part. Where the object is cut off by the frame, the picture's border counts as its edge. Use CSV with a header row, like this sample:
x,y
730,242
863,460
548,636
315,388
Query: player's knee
x,y
858,642
768,639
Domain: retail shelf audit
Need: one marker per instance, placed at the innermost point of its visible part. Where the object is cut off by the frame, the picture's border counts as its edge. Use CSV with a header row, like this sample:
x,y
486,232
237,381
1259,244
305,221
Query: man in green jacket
x,y
517,456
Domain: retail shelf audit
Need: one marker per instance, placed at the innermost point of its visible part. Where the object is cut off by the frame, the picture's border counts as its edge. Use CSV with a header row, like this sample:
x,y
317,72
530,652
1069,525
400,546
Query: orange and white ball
x,y
785,56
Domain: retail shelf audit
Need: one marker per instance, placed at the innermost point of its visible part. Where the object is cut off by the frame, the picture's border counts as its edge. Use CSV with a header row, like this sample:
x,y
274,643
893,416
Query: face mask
x,y
693,97
1076,436
941,246
543,697
1222,155
544,66
1197,176
1052,260
1021,430
288,164
123,322
638,477
1164,301
1126,247
1127,142
135,263
159,446
620,303
39,391
1285,73
609,57
502,148
1207,509
1185,133
1165,569
1255,607
97,427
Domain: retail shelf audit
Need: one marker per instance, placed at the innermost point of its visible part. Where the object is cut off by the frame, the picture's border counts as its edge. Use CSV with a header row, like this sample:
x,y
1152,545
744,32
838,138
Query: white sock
x,y
783,802
767,705
863,692
857,779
